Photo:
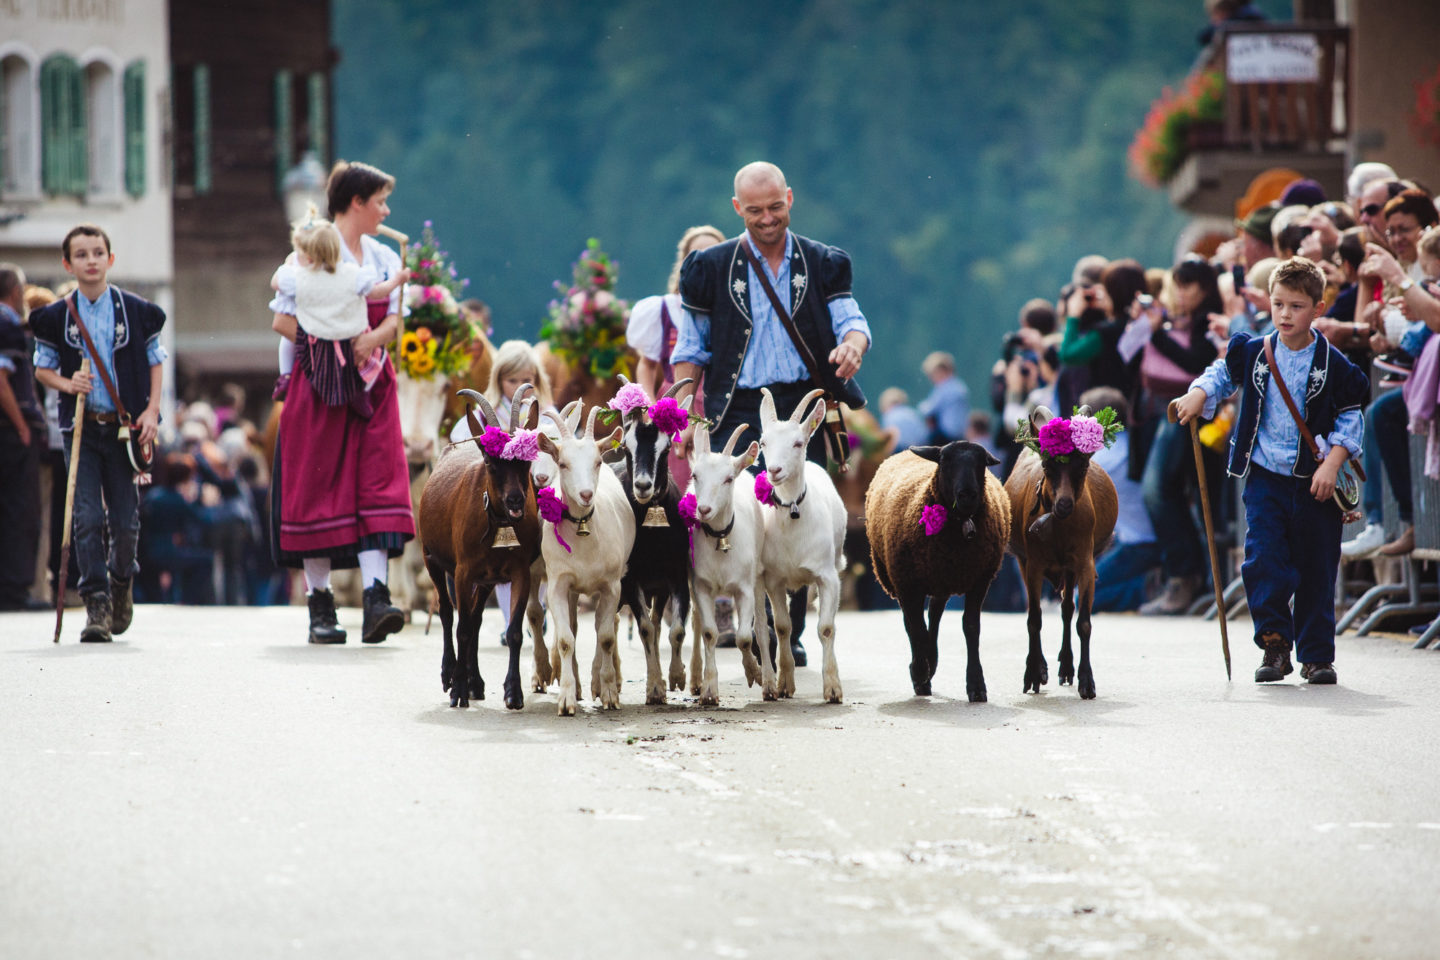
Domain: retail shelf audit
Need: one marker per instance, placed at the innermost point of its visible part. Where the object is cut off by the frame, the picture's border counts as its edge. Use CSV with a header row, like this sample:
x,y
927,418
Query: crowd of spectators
x,y
1122,335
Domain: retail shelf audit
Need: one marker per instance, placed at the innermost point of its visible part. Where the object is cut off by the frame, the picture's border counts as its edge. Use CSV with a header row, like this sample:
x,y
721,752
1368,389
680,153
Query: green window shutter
x,y
319,122
135,128
79,138
63,147
284,127
201,81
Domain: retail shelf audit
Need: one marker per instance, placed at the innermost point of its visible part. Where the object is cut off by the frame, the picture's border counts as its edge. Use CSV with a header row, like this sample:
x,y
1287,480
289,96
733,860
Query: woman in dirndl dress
x,y
341,484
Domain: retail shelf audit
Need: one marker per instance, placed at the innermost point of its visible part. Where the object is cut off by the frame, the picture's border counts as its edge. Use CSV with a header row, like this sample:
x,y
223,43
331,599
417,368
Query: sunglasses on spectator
x,y
1371,209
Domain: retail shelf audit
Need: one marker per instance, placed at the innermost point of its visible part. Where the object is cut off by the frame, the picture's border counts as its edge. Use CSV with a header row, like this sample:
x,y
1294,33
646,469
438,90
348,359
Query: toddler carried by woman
x,y
329,297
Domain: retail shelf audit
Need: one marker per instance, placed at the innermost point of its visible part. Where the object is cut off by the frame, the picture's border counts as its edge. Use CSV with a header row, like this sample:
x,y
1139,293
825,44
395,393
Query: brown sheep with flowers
x,y
938,522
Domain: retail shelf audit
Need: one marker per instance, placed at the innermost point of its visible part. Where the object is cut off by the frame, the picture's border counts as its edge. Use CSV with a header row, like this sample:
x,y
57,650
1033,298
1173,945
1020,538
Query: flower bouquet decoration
x,y
586,326
666,413
437,330
1060,437
1162,143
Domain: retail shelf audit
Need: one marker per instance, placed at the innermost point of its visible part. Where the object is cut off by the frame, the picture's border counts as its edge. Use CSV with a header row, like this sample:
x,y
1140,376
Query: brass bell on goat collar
x,y
655,517
505,538
724,545
582,527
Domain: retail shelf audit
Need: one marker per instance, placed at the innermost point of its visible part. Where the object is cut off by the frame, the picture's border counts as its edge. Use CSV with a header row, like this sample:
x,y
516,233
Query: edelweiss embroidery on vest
x,y
1316,382
1260,373
739,287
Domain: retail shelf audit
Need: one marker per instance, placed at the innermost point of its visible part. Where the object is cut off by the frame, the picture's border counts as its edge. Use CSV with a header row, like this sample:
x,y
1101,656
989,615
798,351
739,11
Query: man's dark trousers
x,y
1292,548
745,408
19,513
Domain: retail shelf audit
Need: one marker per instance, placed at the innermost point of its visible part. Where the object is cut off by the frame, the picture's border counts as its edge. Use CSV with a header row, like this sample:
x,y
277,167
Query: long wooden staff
x,y
404,244
1172,413
69,506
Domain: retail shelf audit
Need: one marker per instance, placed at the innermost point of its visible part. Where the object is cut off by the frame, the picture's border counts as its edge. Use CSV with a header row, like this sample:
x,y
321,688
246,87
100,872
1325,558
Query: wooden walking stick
x,y
1171,412
403,242
69,506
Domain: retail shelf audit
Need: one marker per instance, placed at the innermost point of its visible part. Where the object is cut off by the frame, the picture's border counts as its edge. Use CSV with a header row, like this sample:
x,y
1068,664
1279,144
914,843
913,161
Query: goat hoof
x,y
1087,688
1066,676
459,702
922,689
656,697
977,696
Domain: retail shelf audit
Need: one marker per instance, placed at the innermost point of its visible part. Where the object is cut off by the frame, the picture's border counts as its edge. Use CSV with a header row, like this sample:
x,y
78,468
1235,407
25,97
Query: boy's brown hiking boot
x,y
97,618
1317,672
1276,664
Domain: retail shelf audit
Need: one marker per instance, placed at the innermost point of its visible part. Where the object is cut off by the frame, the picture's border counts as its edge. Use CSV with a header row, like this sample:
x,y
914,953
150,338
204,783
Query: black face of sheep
x,y
960,477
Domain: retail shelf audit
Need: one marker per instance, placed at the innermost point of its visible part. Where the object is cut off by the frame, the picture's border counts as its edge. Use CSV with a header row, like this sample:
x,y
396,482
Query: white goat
x,y
542,472
726,547
595,562
804,533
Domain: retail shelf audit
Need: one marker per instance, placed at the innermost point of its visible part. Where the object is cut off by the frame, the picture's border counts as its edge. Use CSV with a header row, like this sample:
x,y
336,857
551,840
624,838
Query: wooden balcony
x,y
1287,105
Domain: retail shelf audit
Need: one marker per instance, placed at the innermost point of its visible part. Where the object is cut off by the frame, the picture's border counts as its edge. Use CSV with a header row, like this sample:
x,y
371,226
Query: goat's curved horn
x,y
485,409
767,407
675,388
532,419
734,437
1041,415
1085,411
804,405
590,423
565,432
624,380
517,410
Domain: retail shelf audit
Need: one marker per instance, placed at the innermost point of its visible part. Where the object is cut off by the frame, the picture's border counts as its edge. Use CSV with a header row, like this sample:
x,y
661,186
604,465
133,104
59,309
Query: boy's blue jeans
x,y
104,490
1292,549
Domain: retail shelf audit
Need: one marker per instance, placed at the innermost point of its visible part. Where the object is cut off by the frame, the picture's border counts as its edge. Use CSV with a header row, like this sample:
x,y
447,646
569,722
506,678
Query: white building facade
x,y
83,138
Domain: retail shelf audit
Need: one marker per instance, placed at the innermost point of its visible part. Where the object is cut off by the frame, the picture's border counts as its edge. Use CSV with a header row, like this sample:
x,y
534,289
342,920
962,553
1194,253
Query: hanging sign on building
x,y
1272,58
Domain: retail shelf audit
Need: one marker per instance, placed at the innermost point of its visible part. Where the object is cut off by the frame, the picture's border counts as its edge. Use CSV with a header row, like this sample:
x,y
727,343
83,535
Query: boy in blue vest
x,y
126,333
1292,544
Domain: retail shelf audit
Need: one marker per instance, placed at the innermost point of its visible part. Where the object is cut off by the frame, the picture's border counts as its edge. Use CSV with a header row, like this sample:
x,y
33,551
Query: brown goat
x,y
467,502
1061,518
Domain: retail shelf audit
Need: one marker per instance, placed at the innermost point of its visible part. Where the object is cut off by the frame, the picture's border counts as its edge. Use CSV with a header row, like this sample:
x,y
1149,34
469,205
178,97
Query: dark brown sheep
x,y
962,558
1062,516
467,502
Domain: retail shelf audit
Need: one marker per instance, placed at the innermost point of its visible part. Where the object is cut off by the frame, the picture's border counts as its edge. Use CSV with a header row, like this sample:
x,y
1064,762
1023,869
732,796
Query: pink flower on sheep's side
x,y
764,490
666,414
630,397
493,441
1054,438
933,518
1087,434
551,509
524,445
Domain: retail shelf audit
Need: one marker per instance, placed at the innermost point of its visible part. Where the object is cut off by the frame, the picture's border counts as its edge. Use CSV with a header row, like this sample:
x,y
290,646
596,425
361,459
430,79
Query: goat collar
x,y
719,534
578,520
794,508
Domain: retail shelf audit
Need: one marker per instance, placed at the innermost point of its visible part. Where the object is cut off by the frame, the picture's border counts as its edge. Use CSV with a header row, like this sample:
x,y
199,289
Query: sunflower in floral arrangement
x,y
436,329
586,326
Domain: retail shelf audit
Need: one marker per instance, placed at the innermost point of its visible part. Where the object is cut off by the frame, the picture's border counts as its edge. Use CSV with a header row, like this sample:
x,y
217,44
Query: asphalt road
x,y
212,786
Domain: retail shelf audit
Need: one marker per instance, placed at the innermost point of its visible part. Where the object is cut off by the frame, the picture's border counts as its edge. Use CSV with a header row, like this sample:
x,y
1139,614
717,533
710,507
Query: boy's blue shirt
x,y
1327,389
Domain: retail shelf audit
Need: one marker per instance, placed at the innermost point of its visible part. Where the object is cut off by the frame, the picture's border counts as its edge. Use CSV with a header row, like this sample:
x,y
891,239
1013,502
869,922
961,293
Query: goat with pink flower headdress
x,y
1063,509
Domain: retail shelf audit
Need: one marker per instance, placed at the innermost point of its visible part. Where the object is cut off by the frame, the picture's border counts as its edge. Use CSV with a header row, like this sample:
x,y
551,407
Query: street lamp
x,y
304,184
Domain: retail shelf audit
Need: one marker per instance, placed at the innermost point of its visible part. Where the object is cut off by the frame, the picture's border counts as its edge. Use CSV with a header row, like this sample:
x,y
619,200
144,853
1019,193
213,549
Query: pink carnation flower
x,y
666,414
493,441
630,397
524,445
686,508
1087,434
552,510
933,518
764,490
1055,439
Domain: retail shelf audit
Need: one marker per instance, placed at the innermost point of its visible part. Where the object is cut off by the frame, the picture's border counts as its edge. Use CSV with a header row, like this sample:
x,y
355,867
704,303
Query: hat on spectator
x,y
1258,223
1306,192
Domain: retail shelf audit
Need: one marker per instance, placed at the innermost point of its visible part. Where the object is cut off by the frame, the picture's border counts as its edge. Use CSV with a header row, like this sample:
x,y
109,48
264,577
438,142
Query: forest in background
x,y
964,153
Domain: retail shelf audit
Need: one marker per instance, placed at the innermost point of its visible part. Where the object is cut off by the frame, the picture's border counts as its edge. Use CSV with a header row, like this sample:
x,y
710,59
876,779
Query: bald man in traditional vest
x,y
730,335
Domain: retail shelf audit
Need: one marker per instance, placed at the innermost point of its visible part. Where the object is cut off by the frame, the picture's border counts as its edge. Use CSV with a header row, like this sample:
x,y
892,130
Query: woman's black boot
x,y
324,628
381,619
